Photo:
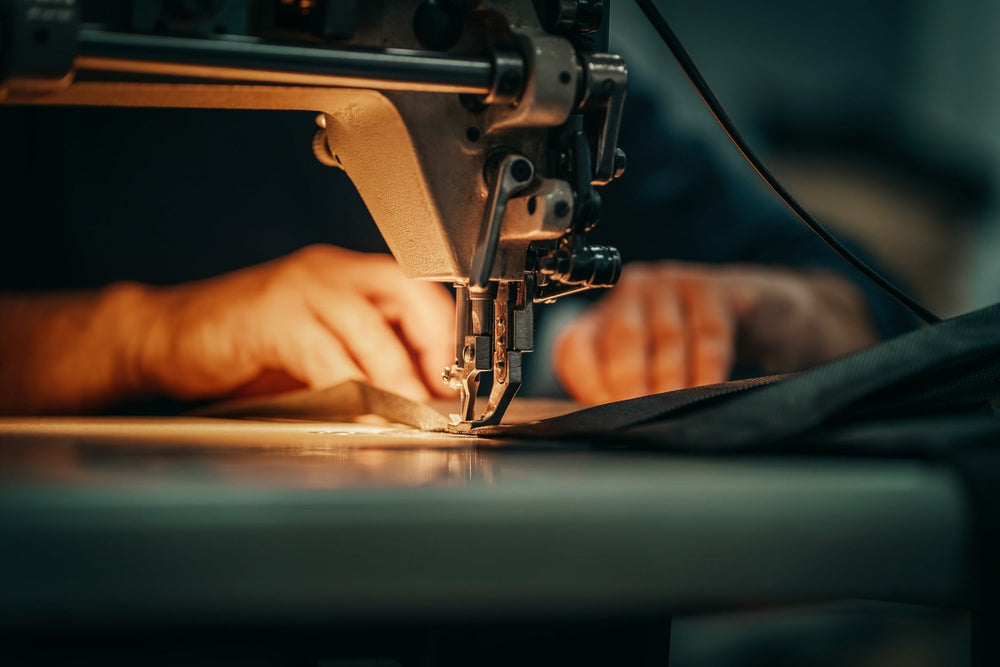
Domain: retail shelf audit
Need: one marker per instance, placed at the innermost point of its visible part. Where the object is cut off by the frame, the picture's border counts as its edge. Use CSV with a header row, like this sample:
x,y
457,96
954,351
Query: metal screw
x,y
469,354
521,171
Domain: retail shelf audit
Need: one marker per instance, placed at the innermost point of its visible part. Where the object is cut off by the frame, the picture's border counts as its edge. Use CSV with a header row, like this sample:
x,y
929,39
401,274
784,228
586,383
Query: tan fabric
x,y
343,402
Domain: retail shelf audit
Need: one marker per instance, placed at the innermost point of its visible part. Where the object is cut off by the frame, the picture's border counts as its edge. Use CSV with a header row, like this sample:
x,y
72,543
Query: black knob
x,y
592,265
596,266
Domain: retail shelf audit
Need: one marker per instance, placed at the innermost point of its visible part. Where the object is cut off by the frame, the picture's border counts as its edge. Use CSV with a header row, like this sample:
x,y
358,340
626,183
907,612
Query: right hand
x,y
317,317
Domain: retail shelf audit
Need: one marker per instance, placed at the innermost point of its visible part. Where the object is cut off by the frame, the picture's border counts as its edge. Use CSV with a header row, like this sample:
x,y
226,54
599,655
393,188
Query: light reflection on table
x,y
130,451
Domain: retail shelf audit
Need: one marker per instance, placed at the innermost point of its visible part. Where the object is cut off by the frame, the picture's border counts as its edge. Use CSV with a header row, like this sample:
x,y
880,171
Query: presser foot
x,y
497,328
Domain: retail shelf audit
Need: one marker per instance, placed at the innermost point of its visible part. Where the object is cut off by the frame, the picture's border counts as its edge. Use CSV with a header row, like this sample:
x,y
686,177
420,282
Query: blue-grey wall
x,y
921,73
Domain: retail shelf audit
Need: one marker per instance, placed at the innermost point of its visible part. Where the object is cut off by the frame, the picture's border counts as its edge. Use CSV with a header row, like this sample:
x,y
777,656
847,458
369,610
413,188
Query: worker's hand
x,y
314,318
670,325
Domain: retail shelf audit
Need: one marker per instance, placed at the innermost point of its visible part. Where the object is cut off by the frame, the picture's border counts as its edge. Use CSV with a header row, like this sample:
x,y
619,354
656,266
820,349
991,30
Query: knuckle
x,y
620,330
276,284
307,254
319,251
668,334
636,274
319,255
668,270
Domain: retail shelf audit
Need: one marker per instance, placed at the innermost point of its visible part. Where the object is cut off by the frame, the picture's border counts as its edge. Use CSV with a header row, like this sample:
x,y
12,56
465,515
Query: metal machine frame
x,y
474,131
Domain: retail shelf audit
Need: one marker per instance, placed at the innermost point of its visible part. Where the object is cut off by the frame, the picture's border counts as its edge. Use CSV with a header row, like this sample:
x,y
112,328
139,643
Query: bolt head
x,y
521,170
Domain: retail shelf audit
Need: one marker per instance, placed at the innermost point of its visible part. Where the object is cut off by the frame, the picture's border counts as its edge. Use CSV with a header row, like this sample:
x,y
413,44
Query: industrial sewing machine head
x,y
475,130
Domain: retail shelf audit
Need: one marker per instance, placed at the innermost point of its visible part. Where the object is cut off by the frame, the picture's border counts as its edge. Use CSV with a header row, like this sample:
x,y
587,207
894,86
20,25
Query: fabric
x,y
950,368
342,402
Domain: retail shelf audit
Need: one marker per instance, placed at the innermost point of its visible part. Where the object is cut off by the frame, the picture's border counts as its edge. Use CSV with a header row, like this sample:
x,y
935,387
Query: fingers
x,y
426,316
369,339
605,354
711,330
314,316
665,327
577,362
310,353
669,367
624,344
423,311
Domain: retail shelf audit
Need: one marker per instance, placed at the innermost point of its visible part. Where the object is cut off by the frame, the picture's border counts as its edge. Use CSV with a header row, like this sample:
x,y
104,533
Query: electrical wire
x,y
708,97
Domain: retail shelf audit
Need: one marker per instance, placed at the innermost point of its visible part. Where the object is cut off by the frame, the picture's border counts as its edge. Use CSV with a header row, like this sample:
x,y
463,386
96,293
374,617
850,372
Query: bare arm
x,y
70,351
314,318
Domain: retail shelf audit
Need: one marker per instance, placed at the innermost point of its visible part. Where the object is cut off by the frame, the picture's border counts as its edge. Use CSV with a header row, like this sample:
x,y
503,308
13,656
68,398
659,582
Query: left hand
x,y
671,325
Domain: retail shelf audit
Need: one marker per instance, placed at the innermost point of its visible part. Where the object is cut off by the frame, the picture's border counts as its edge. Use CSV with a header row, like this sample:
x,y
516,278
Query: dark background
x,y
881,116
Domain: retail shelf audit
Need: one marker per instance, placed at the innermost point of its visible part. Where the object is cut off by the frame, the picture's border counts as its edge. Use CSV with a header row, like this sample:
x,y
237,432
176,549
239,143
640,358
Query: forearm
x,y
67,352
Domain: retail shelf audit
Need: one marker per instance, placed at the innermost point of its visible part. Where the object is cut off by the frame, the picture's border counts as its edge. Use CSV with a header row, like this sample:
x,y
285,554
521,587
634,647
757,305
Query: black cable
x,y
708,97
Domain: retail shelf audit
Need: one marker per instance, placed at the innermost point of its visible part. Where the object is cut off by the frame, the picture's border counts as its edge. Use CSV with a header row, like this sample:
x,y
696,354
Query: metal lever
x,y
606,80
514,174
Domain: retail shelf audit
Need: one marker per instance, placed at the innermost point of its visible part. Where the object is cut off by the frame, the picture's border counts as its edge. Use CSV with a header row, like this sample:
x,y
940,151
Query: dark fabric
x,y
952,367
614,417
929,394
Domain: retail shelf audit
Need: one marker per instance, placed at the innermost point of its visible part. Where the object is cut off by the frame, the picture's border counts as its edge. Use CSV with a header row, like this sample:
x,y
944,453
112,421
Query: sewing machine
x,y
474,131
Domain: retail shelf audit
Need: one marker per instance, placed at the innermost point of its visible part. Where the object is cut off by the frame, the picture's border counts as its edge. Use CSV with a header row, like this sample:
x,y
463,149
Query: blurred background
x,y
882,118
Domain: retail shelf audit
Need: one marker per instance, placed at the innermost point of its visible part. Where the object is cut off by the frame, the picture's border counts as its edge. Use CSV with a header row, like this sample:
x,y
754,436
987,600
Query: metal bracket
x,y
500,326
513,175
606,81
